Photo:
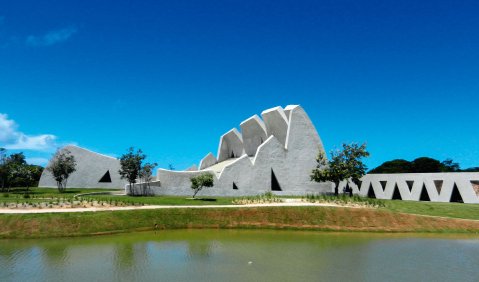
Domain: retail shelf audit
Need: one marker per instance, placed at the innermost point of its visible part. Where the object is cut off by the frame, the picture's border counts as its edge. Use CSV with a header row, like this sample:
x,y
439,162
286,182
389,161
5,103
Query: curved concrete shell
x,y
208,161
254,134
93,170
276,123
231,145
277,155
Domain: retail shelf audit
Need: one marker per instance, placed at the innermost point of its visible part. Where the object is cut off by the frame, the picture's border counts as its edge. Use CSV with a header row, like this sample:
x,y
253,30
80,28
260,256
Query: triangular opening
x,y
424,195
232,154
475,186
383,184
438,184
274,182
234,186
456,195
396,193
371,193
105,178
410,183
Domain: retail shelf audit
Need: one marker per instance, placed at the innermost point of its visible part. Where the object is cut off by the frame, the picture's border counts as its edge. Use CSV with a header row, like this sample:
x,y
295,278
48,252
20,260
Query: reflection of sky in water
x,y
215,255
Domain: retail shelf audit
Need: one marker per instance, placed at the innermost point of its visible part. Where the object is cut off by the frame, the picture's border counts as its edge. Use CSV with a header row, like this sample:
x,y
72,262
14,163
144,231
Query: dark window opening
x,y
274,182
383,184
438,184
456,195
105,178
410,183
234,186
396,193
424,195
371,193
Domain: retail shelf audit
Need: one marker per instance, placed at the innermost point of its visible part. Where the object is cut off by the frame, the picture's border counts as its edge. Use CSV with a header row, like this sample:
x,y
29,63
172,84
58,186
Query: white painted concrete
x,y
289,151
90,168
437,186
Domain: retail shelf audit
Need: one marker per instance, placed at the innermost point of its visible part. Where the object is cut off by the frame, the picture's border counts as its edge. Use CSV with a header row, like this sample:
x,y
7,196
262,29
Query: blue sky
x,y
171,77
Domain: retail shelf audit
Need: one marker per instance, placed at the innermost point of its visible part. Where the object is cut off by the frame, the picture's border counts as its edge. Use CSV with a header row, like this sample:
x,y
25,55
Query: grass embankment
x,y
301,218
52,196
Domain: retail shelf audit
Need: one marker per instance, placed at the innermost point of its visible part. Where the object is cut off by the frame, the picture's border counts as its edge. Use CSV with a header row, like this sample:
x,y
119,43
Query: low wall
x,y
434,187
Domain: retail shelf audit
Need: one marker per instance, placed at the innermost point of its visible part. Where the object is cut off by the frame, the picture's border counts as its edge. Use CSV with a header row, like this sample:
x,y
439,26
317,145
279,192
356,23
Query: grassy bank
x,y
300,218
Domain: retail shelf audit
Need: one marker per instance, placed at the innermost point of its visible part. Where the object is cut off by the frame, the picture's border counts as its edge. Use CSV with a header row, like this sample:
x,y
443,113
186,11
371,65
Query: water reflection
x,y
218,255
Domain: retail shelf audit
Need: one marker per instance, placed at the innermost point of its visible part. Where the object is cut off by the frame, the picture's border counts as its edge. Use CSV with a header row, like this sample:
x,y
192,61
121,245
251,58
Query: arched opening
x,y
371,193
383,184
456,195
424,195
396,193
106,178
274,182
410,183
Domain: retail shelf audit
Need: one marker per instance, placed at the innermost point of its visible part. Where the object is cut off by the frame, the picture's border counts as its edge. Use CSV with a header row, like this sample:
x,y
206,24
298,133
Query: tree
x,y
394,166
131,166
200,181
145,175
61,166
3,168
345,164
425,164
449,166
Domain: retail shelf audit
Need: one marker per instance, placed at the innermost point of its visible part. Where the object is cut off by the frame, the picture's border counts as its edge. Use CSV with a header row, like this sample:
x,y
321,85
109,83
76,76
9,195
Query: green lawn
x,y
165,200
456,210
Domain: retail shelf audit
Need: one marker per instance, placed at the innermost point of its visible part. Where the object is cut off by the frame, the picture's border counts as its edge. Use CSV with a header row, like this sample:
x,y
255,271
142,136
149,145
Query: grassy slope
x,y
455,210
314,218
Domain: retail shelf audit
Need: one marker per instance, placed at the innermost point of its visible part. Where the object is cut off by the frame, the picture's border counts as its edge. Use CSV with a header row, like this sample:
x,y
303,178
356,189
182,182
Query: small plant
x,y
6,195
200,181
265,198
343,199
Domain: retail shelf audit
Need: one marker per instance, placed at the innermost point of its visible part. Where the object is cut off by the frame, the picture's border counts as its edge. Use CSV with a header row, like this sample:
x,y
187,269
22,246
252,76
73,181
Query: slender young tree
x,y
131,167
345,164
200,181
145,174
61,166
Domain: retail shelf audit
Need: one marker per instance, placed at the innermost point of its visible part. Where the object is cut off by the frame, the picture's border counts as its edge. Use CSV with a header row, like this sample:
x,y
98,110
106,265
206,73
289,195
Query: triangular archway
x,y
106,178
410,184
274,182
396,193
424,195
456,195
438,184
371,193
383,184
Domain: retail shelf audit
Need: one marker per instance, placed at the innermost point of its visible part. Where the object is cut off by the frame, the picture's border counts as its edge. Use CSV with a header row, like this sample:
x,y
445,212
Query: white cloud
x,y
51,37
13,139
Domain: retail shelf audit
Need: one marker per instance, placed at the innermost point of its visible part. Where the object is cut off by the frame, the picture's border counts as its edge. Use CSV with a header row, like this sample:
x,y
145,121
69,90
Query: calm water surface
x,y
225,255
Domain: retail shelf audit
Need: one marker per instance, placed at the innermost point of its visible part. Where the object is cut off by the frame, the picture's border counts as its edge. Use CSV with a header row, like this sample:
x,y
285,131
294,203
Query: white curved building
x,y
93,170
276,153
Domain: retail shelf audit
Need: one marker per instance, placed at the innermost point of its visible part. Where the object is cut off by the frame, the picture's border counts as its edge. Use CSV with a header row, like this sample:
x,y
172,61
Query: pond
x,y
242,255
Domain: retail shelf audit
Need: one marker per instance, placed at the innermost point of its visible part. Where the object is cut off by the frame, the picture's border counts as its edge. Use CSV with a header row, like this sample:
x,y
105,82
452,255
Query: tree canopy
x,y
344,164
419,165
200,181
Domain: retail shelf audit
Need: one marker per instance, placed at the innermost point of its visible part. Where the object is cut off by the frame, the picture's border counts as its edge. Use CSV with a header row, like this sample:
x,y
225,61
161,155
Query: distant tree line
x,y
16,172
421,165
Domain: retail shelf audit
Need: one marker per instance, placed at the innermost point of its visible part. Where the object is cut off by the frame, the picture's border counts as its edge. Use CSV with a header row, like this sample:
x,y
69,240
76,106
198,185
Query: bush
x,y
265,198
344,200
